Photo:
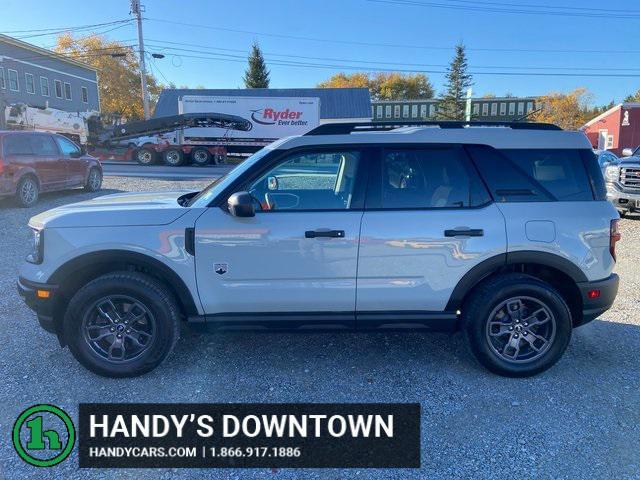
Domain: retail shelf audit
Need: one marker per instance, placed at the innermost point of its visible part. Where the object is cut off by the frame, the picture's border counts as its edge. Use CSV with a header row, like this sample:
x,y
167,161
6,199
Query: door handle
x,y
464,232
324,234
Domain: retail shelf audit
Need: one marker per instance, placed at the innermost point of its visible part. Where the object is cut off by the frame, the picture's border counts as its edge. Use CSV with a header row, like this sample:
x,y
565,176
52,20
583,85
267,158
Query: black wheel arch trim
x,y
494,264
171,278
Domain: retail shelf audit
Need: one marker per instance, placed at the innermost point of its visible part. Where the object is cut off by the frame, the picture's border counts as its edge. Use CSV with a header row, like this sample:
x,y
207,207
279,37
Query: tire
x,y
94,180
27,191
200,156
145,156
488,326
91,324
173,157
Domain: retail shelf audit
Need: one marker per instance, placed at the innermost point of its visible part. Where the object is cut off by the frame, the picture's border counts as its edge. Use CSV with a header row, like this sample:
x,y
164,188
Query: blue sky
x,y
414,35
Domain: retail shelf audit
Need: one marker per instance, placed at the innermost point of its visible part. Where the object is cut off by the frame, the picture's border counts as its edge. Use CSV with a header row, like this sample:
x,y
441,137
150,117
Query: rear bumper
x,y
43,307
592,308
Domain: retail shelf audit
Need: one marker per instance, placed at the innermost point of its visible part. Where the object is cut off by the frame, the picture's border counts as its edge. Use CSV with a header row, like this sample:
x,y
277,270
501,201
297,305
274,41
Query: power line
x,y
159,44
390,45
558,7
119,24
67,28
521,11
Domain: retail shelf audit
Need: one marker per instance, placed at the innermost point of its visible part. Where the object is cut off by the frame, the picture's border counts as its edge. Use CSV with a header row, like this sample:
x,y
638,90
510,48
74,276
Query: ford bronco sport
x,y
500,230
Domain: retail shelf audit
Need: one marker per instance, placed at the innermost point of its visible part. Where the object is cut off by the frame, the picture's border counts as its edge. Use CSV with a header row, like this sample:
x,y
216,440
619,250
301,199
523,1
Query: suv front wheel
x,y
122,324
517,325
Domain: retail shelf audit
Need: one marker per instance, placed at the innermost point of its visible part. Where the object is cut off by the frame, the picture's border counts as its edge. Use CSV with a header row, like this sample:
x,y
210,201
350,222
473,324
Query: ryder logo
x,y
269,116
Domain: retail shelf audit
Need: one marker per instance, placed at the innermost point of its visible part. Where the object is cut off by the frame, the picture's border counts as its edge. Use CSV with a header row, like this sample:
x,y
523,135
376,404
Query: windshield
x,y
205,197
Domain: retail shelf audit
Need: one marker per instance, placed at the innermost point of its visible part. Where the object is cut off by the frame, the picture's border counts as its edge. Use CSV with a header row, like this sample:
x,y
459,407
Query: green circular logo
x,y
39,435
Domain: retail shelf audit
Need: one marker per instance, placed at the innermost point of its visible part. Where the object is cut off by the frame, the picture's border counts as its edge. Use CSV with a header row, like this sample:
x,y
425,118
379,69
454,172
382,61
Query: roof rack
x,y
350,127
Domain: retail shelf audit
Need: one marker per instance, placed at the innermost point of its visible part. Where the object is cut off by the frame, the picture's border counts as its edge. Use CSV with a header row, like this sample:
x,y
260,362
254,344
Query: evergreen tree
x,y
452,103
257,75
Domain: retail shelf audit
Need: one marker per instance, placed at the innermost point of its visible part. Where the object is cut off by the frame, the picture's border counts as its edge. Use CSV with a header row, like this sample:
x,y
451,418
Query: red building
x,y
615,129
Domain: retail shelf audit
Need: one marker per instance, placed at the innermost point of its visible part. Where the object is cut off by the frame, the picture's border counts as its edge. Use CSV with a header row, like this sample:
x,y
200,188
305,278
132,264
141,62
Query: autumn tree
x,y
453,102
384,85
118,76
633,98
569,111
256,75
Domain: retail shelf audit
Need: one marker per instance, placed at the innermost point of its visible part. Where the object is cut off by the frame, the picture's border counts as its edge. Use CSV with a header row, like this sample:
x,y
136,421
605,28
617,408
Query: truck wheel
x,y
173,157
200,156
517,325
94,180
122,324
145,156
27,191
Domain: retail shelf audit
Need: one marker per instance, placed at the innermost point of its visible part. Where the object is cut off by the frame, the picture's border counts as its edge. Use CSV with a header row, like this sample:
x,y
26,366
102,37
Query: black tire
x,y
150,294
200,156
27,191
145,156
173,157
479,310
94,180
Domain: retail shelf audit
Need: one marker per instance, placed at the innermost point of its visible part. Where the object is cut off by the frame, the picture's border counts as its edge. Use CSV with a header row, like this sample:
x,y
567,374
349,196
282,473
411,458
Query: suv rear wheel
x,y
27,191
122,324
517,325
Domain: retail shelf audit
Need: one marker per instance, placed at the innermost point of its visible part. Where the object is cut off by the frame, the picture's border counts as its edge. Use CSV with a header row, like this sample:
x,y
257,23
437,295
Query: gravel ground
x,y
578,420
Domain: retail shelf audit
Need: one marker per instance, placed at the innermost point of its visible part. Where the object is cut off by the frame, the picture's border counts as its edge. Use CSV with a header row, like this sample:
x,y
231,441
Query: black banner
x,y
296,435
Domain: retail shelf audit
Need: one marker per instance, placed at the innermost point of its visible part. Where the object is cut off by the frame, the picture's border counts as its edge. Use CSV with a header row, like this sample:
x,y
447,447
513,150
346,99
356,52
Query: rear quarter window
x,y
17,145
561,172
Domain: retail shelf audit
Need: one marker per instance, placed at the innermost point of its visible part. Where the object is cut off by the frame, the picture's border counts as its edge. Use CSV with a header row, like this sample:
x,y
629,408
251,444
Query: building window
x,y
520,108
432,110
85,94
396,111
609,142
494,109
529,106
30,85
3,83
44,86
13,80
387,111
485,109
476,108
414,111
58,86
512,108
379,111
405,111
503,108
67,91
423,111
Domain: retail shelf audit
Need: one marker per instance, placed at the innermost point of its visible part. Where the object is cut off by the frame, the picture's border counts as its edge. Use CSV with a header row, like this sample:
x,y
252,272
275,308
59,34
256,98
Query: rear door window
x,y
43,145
429,178
561,172
17,145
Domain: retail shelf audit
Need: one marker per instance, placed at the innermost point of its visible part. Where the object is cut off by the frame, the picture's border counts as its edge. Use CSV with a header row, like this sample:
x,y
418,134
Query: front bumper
x,y
592,308
623,199
44,307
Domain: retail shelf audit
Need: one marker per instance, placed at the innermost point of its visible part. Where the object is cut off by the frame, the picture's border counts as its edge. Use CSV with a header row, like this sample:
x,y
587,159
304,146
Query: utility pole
x,y
467,106
136,9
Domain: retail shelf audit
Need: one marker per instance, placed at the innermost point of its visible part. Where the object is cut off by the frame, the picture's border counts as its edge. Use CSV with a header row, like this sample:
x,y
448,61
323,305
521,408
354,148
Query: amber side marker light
x,y
43,293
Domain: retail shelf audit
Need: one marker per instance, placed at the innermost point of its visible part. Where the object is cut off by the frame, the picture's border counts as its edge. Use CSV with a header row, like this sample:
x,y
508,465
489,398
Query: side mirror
x,y
627,152
241,205
272,183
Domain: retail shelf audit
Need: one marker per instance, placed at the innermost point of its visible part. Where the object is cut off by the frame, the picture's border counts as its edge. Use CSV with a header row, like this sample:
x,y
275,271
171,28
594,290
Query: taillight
x,y
1,167
614,237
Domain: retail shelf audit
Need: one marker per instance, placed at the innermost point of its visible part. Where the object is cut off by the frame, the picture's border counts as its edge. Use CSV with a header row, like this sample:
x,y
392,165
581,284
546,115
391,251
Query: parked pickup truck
x,y
623,182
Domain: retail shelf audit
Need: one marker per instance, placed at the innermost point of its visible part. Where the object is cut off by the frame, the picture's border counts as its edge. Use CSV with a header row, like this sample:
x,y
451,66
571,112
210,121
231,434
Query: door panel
x,y
76,164
266,263
407,263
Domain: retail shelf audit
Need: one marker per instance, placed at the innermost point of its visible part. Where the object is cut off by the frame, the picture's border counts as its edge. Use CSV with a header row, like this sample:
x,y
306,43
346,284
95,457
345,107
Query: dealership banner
x,y
295,435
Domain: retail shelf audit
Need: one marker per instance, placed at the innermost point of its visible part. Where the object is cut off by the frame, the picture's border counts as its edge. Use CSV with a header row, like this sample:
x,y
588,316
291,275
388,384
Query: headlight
x,y
611,173
37,252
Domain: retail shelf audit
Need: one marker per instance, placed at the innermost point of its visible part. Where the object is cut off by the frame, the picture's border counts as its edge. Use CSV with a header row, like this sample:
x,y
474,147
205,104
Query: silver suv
x,y
502,231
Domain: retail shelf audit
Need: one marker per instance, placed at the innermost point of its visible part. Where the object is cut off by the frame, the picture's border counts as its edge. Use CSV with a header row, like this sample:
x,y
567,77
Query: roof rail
x,y
350,127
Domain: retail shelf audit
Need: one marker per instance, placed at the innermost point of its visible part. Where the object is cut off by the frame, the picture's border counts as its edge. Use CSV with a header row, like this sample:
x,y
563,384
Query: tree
x,y
452,104
633,98
569,111
118,77
256,75
384,85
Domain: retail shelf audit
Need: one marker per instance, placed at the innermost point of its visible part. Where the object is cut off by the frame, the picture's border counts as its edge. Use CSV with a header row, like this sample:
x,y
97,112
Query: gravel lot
x,y
581,419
